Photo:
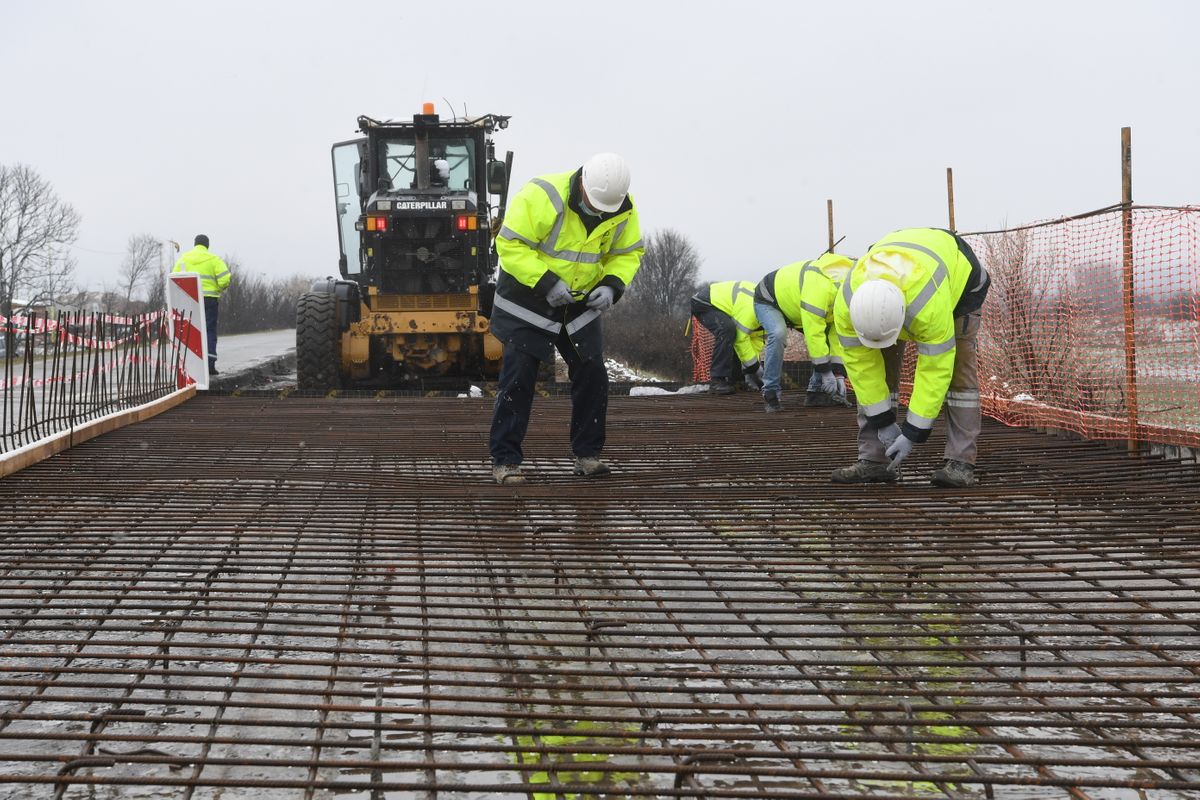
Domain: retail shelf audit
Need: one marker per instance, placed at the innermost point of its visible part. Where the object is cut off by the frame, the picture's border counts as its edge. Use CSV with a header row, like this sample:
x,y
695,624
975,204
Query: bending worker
x,y
923,285
214,280
801,296
726,309
569,245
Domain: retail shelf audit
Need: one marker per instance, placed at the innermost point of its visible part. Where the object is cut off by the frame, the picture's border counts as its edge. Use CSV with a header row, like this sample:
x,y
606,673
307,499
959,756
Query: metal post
x,y
950,195
1127,287
829,211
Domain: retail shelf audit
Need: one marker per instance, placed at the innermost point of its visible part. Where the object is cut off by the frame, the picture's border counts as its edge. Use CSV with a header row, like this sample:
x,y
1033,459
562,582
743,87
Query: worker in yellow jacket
x,y
925,286
726,309
569,246
215,278
801,296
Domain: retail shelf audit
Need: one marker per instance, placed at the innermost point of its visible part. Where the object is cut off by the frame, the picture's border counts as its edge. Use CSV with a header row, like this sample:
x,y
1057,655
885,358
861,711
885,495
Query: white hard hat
x,y
606,181
877,313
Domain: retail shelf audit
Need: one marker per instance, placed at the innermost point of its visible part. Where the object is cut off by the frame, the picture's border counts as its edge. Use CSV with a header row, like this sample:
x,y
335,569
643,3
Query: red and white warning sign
x,y
188,328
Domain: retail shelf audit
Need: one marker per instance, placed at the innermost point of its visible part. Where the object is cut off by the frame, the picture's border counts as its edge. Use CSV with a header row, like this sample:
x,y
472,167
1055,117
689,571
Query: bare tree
x,y
667,277
35,228
141,262
1034,323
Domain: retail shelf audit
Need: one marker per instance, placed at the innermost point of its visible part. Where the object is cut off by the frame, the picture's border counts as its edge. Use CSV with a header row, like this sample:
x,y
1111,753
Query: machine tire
x,y
317,343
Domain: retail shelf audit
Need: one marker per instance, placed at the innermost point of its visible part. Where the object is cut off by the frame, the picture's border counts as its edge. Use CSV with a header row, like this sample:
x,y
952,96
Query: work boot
x,y
590,467
954,475
819,400
771,401
865,472
721,386
212,367
508,474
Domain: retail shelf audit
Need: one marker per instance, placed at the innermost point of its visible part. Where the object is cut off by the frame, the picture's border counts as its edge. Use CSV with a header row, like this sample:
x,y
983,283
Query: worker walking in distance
x,y
923,285
569,246
801,296
214,280
726,309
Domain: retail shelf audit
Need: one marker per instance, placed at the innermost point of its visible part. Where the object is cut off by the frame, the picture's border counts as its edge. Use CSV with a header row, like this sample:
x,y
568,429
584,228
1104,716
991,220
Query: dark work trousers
x,y
723,329
210,322
514,402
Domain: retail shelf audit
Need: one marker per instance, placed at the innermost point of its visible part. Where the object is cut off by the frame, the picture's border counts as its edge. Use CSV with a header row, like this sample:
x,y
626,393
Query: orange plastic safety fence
x,y
702,347
1065,344
1078,335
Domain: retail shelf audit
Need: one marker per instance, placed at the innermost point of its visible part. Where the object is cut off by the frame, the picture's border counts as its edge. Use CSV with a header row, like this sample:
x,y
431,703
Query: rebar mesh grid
x,y
328,598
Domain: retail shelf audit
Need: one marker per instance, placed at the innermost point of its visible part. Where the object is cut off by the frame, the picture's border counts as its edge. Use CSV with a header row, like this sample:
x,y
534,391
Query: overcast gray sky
x,y
738,119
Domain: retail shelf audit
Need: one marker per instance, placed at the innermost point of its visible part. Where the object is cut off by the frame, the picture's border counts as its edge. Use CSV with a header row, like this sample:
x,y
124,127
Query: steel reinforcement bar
x,y
319,598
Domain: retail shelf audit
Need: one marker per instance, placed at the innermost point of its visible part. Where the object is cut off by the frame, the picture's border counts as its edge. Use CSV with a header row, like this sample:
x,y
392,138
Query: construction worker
x,y
922,285
726,309
801,296
214,280
569,246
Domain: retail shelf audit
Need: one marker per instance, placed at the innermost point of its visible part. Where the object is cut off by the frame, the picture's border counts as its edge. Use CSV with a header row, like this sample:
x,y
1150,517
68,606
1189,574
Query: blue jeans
x,y
210,322
774,323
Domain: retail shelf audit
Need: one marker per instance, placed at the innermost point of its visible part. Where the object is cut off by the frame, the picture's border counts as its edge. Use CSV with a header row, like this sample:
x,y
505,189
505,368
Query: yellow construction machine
x,y
416,227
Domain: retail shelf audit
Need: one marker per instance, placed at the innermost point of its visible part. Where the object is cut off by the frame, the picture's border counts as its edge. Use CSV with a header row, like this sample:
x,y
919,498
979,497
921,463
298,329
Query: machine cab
x,y
413,205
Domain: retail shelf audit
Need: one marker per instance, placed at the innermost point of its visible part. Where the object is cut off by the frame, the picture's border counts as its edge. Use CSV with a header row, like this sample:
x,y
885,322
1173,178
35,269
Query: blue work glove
x,y
601,298
898,451
828,382
559,294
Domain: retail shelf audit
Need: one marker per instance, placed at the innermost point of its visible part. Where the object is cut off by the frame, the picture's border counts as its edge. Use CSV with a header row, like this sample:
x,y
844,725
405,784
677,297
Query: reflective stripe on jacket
x,y
542,234
543,239
736,298
932,287
804,293
213,272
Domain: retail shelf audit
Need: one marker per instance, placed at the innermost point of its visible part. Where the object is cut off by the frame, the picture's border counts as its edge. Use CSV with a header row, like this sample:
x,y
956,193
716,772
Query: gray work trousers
x,y
962,399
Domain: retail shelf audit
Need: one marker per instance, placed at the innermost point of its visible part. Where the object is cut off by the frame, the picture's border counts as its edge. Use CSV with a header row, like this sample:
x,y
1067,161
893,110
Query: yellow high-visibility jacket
x,y
213,272
804,292
542,239
547,235
932,285
736,298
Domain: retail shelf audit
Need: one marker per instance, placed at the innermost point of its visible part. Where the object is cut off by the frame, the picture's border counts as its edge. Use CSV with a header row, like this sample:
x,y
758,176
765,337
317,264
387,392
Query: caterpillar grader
x,y
417,257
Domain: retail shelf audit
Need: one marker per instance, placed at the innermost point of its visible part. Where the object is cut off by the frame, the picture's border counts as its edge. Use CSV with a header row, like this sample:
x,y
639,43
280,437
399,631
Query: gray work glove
x,y
888,436
753,381
828,382
601,298
841,388
898,451
559,294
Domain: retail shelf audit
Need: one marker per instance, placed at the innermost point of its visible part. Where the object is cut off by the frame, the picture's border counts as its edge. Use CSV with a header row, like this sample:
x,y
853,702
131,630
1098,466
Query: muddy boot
x,y
590,467
721,386
865,472
818,400
771,402
508,474
954,475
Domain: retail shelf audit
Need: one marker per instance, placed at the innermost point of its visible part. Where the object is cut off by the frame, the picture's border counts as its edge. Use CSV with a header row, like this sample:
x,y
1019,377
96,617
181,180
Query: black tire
x,y
318,343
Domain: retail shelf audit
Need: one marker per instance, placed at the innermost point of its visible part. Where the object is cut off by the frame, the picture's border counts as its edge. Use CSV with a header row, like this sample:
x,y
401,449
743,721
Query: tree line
x,y
38,228
37,270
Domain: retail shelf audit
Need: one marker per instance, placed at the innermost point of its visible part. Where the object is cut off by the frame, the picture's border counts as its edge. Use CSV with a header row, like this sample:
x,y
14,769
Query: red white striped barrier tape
x,y
98,369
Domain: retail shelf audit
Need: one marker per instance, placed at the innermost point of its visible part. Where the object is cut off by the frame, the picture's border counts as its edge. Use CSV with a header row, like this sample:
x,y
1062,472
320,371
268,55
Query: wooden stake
x,y
1127,297
950,195
829,210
